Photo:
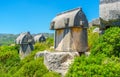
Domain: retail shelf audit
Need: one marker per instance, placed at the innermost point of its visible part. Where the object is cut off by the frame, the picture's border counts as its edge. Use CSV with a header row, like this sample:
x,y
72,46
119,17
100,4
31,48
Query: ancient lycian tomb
x,y
26,41
39,38
70,31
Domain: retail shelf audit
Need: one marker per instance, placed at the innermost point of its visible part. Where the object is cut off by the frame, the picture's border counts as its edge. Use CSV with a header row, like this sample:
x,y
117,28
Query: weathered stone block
x,y
109,9
58,61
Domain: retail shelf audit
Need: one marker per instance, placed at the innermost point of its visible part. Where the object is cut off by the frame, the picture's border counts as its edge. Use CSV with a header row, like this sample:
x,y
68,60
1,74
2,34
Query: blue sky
x,y
18,16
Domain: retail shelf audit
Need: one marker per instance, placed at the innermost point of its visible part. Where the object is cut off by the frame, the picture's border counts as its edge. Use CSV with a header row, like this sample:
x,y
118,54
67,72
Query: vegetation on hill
x,y
104,60
12,66
8,39
108,44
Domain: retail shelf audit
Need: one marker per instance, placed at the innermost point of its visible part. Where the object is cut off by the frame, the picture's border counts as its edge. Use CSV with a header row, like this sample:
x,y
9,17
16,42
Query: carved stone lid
x,y
71,18
24,38
38,37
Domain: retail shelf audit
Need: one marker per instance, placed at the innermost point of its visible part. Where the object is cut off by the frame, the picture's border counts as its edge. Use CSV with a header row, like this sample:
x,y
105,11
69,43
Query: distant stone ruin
x,y
26,41
70,31
39,38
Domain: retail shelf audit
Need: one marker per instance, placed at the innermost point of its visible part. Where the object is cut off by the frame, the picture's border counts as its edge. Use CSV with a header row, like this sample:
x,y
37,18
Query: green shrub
x,y
32,68
109,43
44,45
104,59
12,66
8,58
92,37
95,66
51,74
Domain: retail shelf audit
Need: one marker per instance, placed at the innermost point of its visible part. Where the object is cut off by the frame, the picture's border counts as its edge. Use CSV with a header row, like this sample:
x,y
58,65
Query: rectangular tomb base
x,y
58,61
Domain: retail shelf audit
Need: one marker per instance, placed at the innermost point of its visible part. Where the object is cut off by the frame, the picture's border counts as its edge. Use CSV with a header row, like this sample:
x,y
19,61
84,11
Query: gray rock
x,y
96,30
109,9
108,1
87,53
58,61
39,54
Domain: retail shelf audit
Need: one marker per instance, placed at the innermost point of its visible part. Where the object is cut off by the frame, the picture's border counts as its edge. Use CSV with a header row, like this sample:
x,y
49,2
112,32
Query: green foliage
x,y
7,39
32,68
109,43
44,45
104,60
95,66
51,74
8,58
92,37
12,66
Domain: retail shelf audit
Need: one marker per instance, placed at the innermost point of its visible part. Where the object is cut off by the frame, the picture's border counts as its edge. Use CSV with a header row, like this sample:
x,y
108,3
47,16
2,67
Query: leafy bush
x,y
32,68
51,74
12,66
8,58
44,45
92,37
109,43
95,66
104,60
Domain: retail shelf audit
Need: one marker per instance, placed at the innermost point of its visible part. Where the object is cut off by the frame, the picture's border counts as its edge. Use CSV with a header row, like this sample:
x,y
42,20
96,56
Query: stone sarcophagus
x,y
70,31
26,41
39,38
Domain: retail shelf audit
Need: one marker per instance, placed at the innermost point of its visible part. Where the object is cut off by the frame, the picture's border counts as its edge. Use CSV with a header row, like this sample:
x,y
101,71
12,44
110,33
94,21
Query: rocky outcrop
x,y
57,61
109,9
109,14
108,1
